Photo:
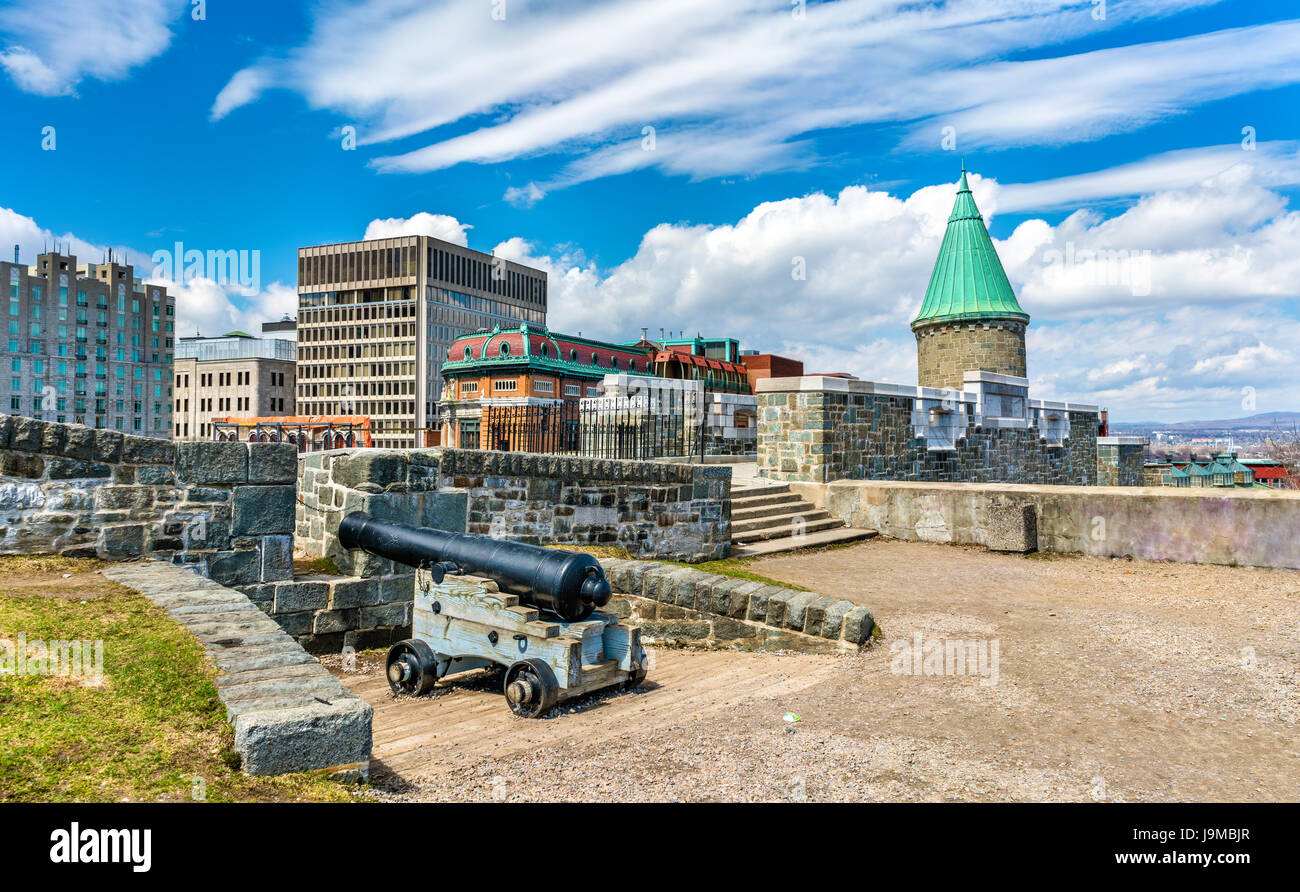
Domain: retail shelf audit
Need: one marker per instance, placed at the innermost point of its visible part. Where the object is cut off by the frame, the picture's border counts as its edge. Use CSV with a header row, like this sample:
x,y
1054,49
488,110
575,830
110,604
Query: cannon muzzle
x,y
567,583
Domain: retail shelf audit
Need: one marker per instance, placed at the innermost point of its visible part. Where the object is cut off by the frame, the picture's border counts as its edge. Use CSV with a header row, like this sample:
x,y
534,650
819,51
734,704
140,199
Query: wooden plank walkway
x,y
466,718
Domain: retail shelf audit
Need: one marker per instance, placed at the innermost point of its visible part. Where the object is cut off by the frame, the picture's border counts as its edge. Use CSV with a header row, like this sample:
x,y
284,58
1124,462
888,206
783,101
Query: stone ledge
x,y
289,713
705,602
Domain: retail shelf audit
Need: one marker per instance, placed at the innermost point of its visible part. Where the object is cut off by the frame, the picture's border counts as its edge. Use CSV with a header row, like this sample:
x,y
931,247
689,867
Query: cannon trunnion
x,y
482,602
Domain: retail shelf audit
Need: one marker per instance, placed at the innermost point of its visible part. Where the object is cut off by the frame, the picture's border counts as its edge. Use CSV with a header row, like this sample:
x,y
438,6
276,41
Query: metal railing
x,y
669,426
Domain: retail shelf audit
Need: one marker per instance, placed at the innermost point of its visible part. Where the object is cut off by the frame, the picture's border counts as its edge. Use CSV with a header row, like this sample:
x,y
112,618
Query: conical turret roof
x,y
968,281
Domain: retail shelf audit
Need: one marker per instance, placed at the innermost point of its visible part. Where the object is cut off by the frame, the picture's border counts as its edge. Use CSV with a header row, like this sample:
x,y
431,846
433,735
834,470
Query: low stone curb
x,y
696,605
288,711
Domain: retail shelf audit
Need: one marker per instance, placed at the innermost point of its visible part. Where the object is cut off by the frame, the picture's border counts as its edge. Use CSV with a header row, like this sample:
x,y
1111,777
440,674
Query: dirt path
x,y
1116,680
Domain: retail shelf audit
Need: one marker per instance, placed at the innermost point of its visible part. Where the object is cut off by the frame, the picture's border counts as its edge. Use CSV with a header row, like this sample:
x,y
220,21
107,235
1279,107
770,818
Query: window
x,y
469,387
469,436
613,362
467,352
544,385
506,384
573,356
505,349
595,359
546,349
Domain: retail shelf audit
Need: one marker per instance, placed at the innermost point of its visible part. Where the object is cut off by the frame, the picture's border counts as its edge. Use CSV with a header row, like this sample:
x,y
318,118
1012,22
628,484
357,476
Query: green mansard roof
x,y
968,281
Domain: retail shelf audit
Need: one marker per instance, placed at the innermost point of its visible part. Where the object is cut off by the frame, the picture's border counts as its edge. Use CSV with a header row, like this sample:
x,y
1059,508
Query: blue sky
x,y
780,131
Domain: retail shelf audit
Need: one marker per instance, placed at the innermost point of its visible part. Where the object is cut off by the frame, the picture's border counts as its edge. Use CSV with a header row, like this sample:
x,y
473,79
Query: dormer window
x,y
546,349
505,349
595,359
467,352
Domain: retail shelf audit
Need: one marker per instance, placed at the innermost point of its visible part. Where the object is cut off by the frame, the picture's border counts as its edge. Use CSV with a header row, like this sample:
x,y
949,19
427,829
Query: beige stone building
x,y
232,375
376,318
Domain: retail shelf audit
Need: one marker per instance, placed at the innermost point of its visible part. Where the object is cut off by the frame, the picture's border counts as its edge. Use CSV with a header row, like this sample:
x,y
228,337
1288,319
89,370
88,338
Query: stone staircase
x,y
765,518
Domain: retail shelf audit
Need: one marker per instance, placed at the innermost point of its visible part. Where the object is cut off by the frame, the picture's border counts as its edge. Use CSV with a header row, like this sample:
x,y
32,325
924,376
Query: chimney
x,y
15,253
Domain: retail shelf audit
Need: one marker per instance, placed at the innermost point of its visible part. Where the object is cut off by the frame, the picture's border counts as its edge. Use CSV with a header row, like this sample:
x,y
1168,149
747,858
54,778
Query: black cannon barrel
x,y
567,583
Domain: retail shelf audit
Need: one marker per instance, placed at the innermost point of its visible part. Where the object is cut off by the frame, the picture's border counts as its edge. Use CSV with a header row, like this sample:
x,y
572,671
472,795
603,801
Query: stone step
x,y
778,505
739,529
813,540
780,498
760,489
785,530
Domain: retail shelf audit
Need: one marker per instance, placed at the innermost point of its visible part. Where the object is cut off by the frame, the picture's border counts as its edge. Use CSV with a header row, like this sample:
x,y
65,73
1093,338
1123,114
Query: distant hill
x,y
1267,420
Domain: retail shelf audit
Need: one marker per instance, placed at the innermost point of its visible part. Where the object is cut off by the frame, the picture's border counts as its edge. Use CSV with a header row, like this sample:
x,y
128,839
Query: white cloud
x,y
50,45
1217,308
202,304
736,86
208,308
437,225
244,87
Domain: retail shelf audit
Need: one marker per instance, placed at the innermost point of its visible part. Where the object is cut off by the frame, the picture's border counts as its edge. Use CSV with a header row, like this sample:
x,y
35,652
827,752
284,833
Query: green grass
x,y
149,728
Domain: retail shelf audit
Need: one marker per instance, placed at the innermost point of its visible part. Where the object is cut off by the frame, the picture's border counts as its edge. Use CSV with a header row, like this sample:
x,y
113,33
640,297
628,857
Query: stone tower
x,y
970,319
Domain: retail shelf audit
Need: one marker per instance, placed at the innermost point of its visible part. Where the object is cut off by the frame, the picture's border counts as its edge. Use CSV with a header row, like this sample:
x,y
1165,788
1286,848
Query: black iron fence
x,y
668,426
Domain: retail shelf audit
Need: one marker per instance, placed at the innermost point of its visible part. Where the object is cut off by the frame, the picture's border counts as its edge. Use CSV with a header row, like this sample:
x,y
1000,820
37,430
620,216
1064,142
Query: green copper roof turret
x,y
968,281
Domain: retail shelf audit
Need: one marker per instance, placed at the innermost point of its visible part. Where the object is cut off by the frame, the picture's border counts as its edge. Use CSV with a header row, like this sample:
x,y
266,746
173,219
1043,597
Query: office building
x,y
376,319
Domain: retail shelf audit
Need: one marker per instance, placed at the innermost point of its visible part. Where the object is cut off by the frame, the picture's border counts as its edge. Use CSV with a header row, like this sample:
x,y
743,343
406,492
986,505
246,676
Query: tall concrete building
x,y
235,374
376,318
970,320
89,344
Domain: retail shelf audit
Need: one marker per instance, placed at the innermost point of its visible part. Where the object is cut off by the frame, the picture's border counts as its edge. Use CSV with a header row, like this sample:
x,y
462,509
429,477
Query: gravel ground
x,y
1116,680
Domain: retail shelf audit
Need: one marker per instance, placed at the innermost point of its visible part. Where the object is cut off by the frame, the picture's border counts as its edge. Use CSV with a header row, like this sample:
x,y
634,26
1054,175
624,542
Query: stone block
x,y
795,608
815,614
235,568
301,594
832,625
154,475
108,446
54,437
263,510
124,541
397,588
1011,528
724,598
21,464
80,442
858,625
26,434
6,428
303,738
347,593
73,469
725,629
369,466
673,629
272,463
152,450
277,558
328,621
385,615
210,462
